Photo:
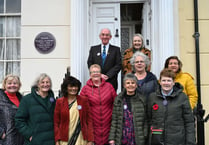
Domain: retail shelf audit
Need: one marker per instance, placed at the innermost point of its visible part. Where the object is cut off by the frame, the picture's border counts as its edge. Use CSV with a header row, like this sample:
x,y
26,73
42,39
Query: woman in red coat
x,y
72,118
101,97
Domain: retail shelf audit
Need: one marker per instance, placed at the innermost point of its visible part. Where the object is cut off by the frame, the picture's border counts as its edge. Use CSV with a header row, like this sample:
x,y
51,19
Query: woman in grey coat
x,y
128,125
9,103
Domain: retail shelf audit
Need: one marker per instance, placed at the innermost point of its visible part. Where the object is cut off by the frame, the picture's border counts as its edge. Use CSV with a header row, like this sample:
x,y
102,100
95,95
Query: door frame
x,y
163,15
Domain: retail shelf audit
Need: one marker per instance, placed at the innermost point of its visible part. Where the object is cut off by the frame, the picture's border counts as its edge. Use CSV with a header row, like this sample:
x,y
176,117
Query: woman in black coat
x,y
169,113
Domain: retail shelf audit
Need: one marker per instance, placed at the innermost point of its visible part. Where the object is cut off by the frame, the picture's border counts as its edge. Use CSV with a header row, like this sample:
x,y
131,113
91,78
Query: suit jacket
x,y
112,64
61,119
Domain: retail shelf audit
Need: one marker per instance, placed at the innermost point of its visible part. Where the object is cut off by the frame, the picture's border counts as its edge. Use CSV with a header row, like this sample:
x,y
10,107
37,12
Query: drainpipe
x,y
200,111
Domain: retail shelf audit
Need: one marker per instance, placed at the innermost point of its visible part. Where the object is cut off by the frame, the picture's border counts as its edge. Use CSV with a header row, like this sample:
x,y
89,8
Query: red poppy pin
x,y
155,107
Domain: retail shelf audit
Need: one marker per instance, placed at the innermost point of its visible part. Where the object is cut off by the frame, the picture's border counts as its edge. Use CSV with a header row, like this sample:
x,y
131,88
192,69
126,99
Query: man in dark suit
x,y
107,56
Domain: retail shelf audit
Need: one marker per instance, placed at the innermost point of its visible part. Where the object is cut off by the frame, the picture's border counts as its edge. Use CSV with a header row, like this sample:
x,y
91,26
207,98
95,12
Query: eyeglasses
x,y
139,61
95,72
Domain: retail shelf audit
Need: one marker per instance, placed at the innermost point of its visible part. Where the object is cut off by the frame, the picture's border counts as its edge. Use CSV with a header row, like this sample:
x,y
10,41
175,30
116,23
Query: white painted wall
x,y
54,17
44,16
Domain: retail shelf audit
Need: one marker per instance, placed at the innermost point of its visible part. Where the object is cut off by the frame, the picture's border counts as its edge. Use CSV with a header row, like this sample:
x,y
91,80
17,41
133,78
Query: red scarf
x,y
13,98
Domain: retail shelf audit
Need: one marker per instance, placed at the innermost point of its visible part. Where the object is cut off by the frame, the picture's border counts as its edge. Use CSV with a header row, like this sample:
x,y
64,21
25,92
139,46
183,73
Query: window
x,y
10,25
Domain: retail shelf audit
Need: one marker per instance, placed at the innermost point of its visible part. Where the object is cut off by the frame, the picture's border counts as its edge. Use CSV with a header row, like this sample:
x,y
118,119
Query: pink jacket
x,y
101,103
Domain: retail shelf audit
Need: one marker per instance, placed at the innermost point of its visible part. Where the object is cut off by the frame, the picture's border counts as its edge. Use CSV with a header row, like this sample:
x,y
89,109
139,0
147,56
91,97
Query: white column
x,y
79,47
163,32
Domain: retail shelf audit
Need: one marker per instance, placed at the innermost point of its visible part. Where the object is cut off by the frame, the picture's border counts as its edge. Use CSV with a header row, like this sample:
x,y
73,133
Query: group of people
x,y
147,111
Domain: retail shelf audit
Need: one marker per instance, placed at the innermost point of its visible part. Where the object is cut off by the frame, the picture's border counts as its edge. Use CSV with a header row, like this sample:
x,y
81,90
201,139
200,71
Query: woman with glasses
x,y
146,81
101,95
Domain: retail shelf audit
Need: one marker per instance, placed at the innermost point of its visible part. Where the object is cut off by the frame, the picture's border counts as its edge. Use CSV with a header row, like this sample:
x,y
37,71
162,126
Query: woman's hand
x,y
57,143
3,135
89,143
104,77
112,142
30,139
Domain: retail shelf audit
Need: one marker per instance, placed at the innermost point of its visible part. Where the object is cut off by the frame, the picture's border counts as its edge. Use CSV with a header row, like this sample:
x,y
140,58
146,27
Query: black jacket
x,y
174,119
138,107
112,64
149,85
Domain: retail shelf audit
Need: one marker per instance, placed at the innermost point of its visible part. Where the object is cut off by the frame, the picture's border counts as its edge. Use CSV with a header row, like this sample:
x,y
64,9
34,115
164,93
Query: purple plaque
x,y
45,42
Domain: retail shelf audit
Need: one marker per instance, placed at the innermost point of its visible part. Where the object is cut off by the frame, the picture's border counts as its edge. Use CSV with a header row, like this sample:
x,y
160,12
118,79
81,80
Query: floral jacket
x,y
127,68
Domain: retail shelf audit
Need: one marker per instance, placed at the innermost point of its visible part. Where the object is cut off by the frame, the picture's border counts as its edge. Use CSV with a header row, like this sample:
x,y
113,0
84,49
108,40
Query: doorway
x,y
124,19
131,23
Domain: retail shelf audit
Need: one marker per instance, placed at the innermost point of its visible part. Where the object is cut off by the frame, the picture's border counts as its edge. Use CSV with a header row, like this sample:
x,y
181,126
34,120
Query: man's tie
x,y
103,55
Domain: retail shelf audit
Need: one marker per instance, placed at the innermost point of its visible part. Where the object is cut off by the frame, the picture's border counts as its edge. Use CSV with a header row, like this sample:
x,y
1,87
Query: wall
x,y
44,16
187,47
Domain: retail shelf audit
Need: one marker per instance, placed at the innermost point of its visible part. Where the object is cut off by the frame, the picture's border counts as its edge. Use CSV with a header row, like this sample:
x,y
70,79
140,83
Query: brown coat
x,y
127,68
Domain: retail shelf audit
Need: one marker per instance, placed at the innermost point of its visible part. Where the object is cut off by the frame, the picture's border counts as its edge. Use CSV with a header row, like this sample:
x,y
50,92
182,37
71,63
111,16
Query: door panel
x,y
106,15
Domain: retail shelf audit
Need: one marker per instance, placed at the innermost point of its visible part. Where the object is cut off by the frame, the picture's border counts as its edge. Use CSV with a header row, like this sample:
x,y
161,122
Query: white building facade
x,y
75,26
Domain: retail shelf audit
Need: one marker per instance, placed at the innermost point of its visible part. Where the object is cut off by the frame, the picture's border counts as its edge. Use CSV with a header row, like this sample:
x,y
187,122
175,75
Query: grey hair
x,y
145,57
107,29
41,77
129,76
140,36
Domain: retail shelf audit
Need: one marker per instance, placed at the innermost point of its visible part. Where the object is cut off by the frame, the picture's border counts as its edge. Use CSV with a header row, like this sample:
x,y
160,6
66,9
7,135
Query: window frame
x,y
6,63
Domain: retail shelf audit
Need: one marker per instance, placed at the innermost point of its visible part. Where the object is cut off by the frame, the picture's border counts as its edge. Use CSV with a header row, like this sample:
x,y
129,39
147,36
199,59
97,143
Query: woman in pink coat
x,y
101,96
